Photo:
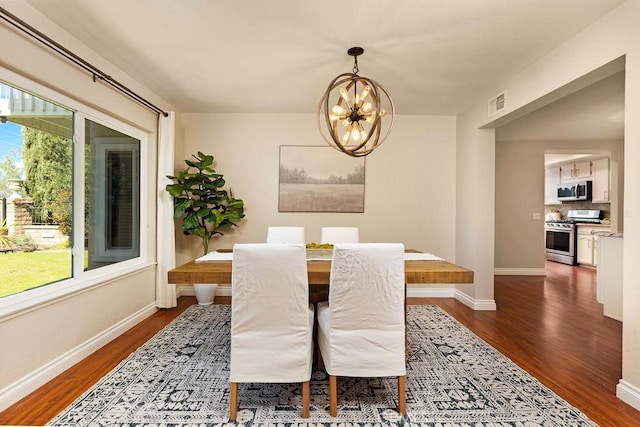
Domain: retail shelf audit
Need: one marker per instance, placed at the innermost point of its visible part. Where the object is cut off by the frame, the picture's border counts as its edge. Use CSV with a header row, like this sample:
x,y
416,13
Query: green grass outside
x,y
20,271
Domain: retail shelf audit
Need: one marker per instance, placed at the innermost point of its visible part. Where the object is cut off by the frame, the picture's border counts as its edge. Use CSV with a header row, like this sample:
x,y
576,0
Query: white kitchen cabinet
x,y
600,176
566,172
587,246
552,179
575,171
583,170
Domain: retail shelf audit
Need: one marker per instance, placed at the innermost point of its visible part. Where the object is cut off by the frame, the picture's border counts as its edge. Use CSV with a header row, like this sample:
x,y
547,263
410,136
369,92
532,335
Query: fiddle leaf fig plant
x,y
200,200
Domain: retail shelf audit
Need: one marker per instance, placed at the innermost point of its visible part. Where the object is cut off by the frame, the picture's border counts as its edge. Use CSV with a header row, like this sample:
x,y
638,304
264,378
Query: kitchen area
x,y
582,225
559,193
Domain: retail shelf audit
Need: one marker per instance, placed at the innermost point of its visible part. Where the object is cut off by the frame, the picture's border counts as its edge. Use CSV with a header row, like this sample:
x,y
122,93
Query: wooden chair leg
x,y
305,399
333,396
401,395
233,409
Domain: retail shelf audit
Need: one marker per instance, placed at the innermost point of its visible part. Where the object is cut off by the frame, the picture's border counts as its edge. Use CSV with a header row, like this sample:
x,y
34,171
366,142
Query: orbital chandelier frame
x,y
353,125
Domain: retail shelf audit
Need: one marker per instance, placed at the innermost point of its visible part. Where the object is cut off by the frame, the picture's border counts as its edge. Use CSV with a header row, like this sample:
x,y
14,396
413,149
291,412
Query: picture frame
x,y
318,178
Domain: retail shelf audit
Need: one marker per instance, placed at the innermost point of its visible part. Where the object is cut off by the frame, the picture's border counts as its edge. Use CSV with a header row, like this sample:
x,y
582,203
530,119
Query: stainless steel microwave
x,y
574,191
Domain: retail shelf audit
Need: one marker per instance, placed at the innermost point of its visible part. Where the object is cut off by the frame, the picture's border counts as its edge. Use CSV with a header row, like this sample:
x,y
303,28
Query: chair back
x,y
367,309
291,235
271,332
335,235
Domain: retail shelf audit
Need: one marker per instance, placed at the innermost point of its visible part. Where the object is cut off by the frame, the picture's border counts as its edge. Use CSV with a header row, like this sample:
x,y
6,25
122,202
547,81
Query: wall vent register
x,y
497,103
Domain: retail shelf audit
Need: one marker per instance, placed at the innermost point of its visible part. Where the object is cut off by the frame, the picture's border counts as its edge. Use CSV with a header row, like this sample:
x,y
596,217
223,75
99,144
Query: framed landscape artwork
x,y
320,179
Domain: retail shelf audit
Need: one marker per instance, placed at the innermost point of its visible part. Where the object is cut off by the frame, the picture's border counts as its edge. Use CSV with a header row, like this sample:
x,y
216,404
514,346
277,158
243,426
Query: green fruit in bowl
x,y
319,246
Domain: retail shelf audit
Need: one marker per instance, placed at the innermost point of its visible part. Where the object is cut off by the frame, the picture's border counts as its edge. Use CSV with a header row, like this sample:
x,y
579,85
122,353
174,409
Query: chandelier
x,y
351,110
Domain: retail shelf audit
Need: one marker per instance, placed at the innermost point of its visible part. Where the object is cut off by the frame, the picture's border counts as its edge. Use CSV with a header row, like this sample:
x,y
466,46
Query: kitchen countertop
x,y
613,235
586,224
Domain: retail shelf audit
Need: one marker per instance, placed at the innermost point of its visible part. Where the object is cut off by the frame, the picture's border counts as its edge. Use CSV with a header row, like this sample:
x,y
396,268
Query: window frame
x,y
83,281
102,252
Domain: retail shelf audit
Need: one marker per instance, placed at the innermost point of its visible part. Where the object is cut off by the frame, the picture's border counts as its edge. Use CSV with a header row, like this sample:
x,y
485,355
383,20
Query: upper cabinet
x,y
595,170
575,171
600,176
552,179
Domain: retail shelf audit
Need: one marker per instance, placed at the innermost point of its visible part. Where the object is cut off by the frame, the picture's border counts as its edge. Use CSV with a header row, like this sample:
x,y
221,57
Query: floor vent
x,y
497,103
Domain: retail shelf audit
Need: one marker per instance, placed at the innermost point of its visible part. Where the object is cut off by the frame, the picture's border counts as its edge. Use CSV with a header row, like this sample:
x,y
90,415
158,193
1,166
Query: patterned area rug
x,y
180,378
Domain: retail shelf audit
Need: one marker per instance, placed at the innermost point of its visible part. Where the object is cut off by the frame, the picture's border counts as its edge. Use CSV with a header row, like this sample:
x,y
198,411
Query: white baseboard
x,y
187,290
628,393
519,272
431,291
476,304
414,291
224,290
29,383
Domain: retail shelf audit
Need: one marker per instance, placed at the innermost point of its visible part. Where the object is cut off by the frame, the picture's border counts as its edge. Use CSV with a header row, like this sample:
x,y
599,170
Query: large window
x,y
112,186
66,209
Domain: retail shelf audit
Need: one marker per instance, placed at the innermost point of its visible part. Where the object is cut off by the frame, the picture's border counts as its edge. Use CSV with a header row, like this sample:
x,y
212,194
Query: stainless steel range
x,y
560,235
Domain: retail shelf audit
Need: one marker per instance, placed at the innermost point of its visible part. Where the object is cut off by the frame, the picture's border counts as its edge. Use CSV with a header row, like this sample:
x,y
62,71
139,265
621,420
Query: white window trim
x,y
18,304
82,280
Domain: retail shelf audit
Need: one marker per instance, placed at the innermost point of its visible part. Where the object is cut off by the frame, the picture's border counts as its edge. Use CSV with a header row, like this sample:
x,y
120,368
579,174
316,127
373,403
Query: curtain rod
x,y
96,73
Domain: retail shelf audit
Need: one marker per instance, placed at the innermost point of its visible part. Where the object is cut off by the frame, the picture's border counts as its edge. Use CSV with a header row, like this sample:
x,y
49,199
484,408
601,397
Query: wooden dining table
x,y
415,271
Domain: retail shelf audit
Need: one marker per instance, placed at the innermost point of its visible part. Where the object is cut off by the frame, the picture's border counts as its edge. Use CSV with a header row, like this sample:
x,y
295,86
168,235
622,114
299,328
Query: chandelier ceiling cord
x,y
353,124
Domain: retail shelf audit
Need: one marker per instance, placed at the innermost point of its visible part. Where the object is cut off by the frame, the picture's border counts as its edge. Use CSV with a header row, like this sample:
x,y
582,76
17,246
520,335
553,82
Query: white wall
x,y
40,342
409,189
43,342
614,35
475,199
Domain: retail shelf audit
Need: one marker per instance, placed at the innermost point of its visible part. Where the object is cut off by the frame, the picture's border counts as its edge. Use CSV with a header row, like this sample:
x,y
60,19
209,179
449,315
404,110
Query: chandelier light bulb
x,y
365,91
355,133
362,132
338,110
345,95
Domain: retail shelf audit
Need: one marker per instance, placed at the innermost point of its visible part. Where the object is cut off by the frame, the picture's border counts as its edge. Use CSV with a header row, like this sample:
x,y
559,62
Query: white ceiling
x,y
594,113
256,56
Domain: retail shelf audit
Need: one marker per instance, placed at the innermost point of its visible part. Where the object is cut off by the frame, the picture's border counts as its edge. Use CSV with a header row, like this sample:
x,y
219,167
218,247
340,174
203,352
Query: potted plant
x,y
203,204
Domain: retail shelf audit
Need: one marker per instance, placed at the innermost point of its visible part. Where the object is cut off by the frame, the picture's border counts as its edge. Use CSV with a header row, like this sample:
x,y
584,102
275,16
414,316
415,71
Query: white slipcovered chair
x,y
271,319
361,329
294,235
335,235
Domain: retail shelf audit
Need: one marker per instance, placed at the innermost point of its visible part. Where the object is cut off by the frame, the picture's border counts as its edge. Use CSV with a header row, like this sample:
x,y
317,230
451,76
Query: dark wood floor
x,y
550,326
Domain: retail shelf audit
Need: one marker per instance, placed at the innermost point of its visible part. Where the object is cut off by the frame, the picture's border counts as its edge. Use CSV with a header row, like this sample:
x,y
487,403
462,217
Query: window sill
x,y
32,299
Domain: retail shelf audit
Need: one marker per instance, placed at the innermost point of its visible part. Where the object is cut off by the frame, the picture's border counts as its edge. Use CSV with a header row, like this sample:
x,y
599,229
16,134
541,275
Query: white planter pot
x,y
205,292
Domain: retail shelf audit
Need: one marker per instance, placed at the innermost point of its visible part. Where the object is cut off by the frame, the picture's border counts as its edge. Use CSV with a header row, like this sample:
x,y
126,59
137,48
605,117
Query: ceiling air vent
x,y
497,103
